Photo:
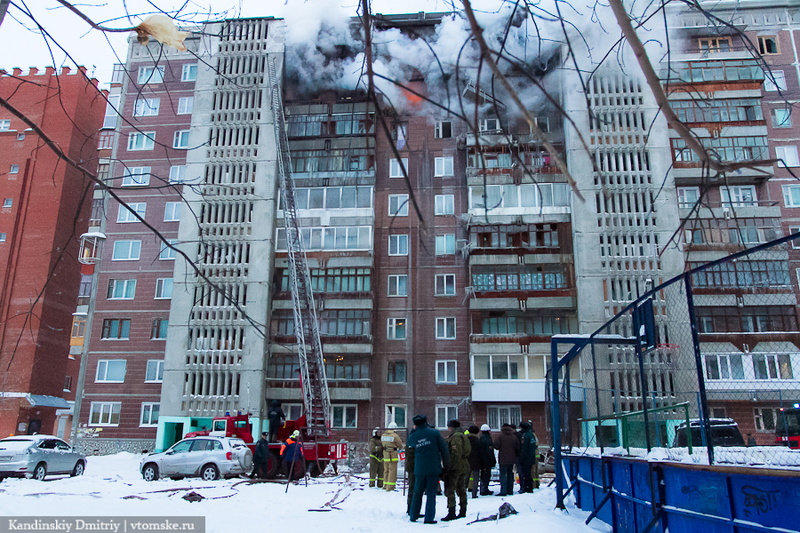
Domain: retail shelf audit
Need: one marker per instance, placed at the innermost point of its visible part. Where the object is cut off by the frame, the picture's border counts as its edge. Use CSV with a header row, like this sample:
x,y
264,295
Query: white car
x,y
207,457
36,456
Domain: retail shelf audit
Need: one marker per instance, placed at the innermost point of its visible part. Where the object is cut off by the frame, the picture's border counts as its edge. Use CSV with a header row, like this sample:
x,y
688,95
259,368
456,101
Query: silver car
x,y
36,456
207,457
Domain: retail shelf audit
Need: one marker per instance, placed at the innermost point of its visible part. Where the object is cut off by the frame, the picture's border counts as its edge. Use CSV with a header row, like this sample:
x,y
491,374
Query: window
x,y
489,125
400,134
442,129
126,251
793,230
394,167
141,140
724,366
116,328
180,139
500,367
189,72
398,285
127,213
688,196
443,166
791,195
67,383
110,371
787,155
110,119
8,202
172,212
715,44
3,237
781,117
345,416
444,414
446,244
121,289
772,366
5,125
185,105
443,204
146,107
738,196
446,328
768,45
398,205
14,169
398,244
150,75
177,173
104,413
21,136
149,416
396,329
396,372
446,371
331,238
333,197
135,176
503,414
105,140
78,326
774,80
159,329
396,413
163,288
167,253
765,419
445,285
155,371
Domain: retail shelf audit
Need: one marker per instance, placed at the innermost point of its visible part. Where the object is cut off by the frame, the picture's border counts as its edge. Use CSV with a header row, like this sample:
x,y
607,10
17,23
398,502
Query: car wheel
x,y
78,470
150,472
246,461
40,472
209,473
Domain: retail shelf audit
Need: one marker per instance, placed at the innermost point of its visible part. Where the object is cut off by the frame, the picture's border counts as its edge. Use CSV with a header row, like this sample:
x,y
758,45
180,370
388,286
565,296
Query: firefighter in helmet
x,y
391,446
375,459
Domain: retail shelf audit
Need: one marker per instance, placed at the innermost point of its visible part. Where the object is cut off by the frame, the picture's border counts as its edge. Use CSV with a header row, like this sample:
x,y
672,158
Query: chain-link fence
x,y
704,368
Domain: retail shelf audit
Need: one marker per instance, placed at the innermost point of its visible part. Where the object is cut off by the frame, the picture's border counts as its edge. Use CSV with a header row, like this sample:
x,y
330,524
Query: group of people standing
x,y
464,460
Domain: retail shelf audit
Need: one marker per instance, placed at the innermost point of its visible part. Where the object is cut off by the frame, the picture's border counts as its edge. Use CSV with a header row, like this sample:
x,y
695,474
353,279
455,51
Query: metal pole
x,y
701,382
555,419
3,9
637,350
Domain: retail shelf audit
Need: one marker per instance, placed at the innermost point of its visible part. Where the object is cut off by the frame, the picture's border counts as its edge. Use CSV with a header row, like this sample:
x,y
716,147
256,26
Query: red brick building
x,y
45,208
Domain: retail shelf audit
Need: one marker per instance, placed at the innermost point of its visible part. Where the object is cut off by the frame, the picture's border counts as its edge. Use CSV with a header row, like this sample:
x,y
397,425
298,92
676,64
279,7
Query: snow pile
x,y
112,486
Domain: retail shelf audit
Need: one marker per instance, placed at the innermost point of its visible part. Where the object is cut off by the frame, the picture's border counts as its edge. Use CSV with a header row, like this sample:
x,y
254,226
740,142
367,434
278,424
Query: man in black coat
x,y
487,459
430,454
276,419
261,457
474,460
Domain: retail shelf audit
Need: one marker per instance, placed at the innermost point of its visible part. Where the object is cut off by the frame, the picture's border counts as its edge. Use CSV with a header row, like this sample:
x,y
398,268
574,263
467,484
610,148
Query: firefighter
x,y
375,459
391,446
455,482
292,455
276,419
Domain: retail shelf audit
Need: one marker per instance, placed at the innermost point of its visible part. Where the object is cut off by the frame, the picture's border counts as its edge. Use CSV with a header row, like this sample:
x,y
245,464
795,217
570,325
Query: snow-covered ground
x,y
112,486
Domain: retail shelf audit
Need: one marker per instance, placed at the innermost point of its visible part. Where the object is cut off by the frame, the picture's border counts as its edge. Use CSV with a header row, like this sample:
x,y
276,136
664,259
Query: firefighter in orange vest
x,y
292,455
391,446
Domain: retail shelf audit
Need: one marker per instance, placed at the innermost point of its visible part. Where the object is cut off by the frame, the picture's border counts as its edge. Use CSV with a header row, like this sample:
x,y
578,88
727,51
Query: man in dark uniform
x,y
430,454
276,419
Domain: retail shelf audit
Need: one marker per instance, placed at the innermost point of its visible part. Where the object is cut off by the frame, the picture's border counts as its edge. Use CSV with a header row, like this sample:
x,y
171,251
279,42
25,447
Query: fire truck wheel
x,y
272,464
316,469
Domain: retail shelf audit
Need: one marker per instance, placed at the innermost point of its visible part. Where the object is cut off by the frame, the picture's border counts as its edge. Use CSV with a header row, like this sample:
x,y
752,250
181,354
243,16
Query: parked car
x,y
36,456
724,432
207,457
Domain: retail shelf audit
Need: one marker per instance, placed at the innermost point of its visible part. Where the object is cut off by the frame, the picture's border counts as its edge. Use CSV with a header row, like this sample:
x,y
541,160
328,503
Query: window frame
x,y
391,414
444,367
779,83
147,408
402,239
397,285
444,278
185,105
511,410
787,156
159,326
763,48
395,171
449,411
443,328
110,411
123,326
443,167
133,245
163,285
166,253
398,205
177,173
345,408
180,139
444,205
146,107
392,328
154,366
442,129
189,72
172,211
392,370
101,374
787,119
139,141
445,243
126,215
13,169
128,289
147,75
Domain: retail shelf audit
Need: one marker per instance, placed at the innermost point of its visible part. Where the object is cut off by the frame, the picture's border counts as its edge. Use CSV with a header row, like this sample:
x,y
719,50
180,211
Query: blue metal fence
x,y
639,496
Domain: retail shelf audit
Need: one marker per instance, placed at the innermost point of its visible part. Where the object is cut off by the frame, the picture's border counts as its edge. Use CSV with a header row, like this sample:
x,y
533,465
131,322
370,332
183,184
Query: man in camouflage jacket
x,y
456,481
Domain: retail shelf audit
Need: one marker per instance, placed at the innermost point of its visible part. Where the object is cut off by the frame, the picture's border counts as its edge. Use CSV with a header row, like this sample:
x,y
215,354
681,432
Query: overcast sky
x,y
23,45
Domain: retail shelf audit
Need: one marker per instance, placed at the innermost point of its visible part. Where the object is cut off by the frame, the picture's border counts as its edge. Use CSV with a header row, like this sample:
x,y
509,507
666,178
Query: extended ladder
x,y
313,382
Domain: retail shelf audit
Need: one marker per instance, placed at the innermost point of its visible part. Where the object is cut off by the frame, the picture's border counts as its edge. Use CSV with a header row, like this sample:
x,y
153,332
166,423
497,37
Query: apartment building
x,y
45,208
444,255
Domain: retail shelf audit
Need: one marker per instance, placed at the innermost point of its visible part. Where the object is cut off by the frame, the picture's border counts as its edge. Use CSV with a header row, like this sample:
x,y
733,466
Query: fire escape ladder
x,y
313,382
